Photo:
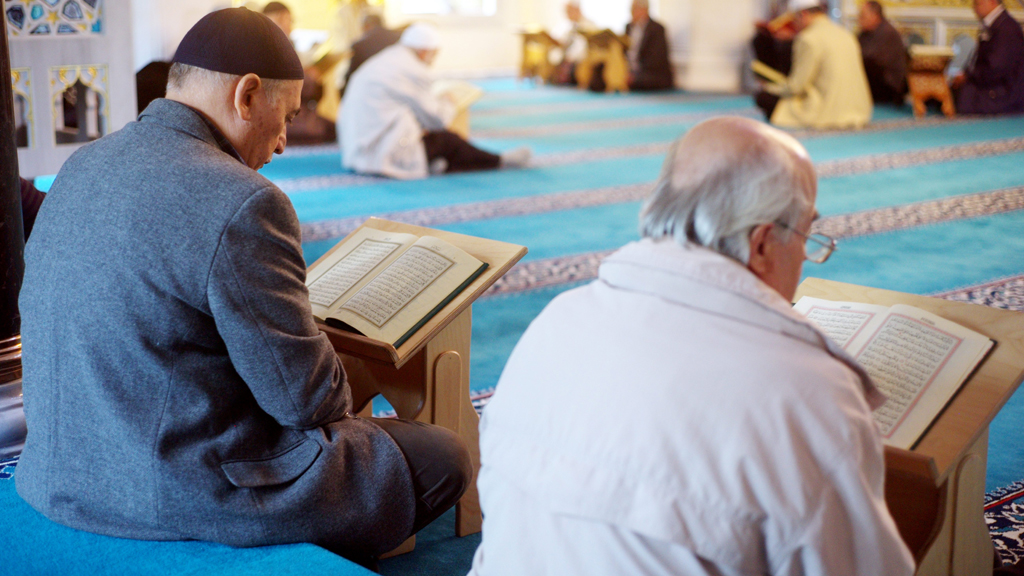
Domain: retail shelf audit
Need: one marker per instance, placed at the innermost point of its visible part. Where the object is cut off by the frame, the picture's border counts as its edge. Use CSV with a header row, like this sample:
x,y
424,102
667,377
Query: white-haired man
x,y
206,403
393,125
676,416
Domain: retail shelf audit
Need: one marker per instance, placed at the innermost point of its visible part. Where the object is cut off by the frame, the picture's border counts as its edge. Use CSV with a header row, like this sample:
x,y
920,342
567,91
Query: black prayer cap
x,y
239,41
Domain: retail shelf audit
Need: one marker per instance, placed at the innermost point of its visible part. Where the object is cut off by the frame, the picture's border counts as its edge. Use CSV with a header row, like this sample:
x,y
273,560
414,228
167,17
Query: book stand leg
x,y
432,387
963,545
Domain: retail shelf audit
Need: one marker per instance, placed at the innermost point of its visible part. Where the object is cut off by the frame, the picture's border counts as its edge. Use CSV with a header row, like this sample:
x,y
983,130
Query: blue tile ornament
x,y
16,16
41,29
37,11
72,11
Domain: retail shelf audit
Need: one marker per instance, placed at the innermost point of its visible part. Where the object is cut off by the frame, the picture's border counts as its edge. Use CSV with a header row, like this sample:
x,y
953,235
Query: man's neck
x,y
991,18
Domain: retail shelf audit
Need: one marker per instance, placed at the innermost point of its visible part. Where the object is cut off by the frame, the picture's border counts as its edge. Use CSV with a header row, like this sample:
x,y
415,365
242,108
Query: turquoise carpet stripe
x,y
624,111
854,144
907,185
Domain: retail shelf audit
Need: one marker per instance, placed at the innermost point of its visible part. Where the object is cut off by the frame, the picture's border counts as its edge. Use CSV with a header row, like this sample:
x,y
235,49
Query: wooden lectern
x,y
608,49
536,59
936,491
427,377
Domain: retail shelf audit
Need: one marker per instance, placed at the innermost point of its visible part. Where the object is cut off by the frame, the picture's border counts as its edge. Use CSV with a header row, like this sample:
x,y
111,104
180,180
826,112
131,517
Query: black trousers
x,y
438,461
882,92
766,102
460,154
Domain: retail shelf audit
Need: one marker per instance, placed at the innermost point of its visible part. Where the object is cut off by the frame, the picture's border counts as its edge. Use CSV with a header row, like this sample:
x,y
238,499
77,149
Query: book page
x,y
840,321
396,299
919,361
351,265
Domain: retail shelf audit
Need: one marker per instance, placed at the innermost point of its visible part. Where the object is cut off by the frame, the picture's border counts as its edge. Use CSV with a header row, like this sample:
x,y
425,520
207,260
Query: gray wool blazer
x,y
175,384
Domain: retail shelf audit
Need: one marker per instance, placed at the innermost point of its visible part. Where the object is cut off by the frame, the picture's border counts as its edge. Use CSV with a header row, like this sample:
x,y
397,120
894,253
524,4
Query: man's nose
x,y
281,141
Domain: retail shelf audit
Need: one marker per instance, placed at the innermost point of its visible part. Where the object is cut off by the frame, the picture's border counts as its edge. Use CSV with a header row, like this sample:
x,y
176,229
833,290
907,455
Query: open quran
x,y
917,359
386,285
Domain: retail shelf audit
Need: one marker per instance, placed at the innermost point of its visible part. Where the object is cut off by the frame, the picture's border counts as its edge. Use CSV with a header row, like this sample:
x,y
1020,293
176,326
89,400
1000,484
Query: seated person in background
x,y
884,55
773,40
392,124
151,83
281,15
649,65
827,87
307,127
574,43
713,430
375,38
182,391
994,82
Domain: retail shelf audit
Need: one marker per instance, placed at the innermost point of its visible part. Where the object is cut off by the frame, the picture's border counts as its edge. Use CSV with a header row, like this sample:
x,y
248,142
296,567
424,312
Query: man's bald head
x,y
725,177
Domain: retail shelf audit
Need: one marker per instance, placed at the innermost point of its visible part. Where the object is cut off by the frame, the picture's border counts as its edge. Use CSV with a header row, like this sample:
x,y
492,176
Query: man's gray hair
x,y
184,78
717,198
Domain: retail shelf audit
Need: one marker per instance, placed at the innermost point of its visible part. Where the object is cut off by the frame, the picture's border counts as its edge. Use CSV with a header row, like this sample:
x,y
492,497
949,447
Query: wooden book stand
x,y
936,491
427,377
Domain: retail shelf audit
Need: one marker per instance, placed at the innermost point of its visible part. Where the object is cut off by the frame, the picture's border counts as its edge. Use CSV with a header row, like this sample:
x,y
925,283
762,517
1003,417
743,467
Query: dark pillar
x,y
12,239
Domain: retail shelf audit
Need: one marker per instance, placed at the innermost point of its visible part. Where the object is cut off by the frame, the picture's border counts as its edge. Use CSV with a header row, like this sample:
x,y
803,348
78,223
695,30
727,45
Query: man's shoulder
x,y
1007,25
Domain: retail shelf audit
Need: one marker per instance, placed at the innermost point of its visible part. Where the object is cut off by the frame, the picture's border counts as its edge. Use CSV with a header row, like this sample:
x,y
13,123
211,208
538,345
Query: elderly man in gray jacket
x,y
176,386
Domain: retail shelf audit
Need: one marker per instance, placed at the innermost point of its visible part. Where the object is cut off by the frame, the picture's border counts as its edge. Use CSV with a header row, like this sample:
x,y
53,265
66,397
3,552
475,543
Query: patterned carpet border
x,y
538,274
878,162
1004,516
1005,293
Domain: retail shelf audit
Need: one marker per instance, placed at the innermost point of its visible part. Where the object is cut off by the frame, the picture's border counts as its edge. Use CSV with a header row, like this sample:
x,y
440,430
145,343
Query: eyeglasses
x,y
817,247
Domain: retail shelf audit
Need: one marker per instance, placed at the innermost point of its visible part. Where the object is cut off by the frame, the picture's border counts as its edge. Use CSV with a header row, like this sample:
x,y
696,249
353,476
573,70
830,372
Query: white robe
x,y
388,106
677,417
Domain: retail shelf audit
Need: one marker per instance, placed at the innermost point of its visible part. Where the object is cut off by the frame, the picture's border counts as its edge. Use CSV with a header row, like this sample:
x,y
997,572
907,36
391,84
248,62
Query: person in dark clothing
x,y
994,82
649,65
151,83
885,56
375,38
31,200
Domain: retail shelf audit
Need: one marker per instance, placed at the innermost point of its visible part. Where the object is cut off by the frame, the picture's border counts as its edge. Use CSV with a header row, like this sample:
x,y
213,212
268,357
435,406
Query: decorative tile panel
x,y
93,76
34,18
21,81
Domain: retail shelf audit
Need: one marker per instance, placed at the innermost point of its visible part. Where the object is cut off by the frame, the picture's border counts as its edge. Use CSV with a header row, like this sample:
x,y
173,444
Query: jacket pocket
x,y
282,467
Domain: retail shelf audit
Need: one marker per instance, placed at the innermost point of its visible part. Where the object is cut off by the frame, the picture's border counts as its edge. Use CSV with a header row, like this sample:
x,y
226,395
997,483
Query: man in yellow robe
x,y
827,87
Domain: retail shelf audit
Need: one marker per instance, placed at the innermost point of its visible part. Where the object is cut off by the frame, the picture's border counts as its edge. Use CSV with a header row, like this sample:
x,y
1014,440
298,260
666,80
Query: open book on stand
x,y
917,359
386,285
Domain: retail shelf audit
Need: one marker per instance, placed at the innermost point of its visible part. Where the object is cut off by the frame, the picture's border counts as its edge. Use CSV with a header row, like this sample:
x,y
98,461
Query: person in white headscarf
x,y
393,125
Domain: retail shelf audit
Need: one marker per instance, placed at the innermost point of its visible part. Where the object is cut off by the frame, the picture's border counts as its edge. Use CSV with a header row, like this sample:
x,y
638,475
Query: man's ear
x,y
245,94
762,246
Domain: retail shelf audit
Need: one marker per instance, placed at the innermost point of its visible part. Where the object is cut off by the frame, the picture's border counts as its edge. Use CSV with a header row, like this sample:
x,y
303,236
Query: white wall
x,y
708,38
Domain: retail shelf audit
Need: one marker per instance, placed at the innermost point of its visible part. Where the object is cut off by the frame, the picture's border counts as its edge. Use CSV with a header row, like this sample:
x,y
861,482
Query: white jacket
x,y
827,86
388,105
677,417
